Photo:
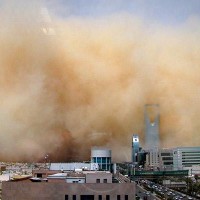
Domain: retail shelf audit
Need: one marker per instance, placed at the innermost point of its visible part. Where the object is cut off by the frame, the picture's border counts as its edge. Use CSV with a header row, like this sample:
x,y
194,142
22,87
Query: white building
x,y
74,166
152,158
186,158
179,158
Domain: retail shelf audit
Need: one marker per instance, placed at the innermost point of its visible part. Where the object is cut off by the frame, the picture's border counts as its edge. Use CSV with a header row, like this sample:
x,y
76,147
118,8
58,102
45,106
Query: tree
x,y
196,177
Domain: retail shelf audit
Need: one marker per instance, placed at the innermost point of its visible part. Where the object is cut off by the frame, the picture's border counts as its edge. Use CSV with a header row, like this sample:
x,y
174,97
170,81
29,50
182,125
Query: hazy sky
x,y
164,11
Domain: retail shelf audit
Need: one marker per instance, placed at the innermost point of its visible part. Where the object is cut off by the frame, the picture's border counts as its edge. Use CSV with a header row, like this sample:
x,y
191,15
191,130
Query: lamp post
x,y
46,160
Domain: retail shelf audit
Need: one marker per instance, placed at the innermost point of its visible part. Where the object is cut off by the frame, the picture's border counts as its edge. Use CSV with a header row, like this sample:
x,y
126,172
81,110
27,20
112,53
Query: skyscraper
x,y
152,121
135,149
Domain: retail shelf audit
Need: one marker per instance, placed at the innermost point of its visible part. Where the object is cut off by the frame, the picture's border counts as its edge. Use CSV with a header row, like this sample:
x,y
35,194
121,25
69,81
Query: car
x,y
147,193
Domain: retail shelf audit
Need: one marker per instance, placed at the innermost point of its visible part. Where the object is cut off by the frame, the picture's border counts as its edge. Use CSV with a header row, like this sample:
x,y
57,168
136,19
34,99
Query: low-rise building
x,y
186,157
74,165
83,185
152,158
67,191
166,159
178,158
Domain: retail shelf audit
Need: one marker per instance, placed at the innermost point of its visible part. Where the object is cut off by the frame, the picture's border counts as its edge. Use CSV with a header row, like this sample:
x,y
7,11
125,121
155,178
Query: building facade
x,y
186,157
152,158
71,185
166,159
67,191
160,159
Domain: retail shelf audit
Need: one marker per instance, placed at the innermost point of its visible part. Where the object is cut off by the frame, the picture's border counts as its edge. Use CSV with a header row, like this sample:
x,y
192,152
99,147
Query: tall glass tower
x,y
135,149
152,121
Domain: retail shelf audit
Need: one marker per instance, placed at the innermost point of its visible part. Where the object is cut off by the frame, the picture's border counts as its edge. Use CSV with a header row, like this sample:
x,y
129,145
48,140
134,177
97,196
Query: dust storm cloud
x,y
84,82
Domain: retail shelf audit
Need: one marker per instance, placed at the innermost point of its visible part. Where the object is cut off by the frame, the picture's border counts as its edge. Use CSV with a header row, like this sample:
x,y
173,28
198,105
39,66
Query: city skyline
x,y
74,75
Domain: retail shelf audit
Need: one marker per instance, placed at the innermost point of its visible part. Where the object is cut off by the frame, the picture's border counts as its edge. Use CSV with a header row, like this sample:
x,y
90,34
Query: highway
x,y
144,194
140,191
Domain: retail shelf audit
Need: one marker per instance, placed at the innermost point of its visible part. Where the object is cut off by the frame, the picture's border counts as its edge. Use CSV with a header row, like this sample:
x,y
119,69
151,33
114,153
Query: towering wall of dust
x,y
87,83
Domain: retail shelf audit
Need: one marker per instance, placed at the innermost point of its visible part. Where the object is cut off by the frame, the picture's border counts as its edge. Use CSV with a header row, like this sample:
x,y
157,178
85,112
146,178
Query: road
x,y
144,194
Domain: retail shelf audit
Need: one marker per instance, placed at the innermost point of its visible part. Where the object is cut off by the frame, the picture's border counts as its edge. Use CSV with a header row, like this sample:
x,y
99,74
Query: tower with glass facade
x,y
135,149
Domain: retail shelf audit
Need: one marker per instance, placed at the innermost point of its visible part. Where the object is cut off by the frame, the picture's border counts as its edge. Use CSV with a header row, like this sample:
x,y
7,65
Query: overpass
x,y
157,174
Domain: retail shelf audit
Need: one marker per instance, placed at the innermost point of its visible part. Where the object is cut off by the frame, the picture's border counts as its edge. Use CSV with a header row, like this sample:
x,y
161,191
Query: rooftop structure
x,y
102,157
81,177
74,166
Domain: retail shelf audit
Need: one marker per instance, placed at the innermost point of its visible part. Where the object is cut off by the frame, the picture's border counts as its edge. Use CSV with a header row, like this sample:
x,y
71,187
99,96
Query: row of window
x,y
190,157
191,152
168,163
104,166
104,180
97,181
101,159
167,158
166,154
191,161
91,197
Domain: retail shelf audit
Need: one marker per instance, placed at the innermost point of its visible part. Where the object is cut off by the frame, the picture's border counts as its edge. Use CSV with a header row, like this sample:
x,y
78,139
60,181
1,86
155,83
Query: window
x,y
66,197
166,154
104,160
74,197
167,158
100,197
126,197
107,197
108,160
105,181
168,163
118,197
98,180
87,197
104,166
39,175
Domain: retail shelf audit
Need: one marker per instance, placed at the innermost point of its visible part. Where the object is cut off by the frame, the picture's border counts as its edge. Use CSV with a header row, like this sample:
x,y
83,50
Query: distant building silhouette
x,y
152,122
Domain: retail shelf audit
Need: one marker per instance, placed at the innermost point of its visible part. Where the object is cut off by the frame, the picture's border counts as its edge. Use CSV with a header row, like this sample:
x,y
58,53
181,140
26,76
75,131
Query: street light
x,y
46,159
